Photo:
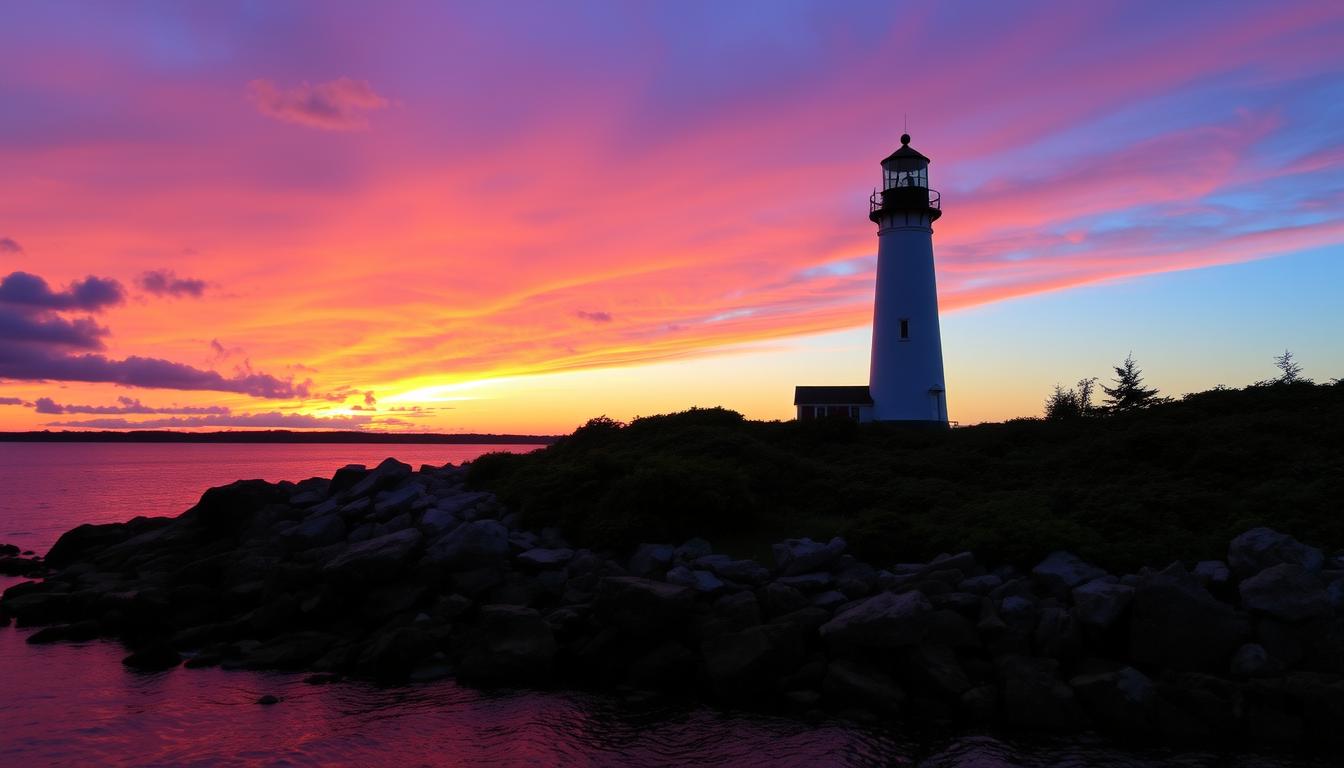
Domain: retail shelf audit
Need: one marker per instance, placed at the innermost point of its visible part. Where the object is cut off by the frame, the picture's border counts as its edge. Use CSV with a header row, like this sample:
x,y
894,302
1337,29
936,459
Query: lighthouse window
x,y
905,329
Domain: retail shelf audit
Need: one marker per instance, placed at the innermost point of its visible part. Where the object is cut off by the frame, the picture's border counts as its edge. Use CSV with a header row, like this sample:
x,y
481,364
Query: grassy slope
x,y
1174,482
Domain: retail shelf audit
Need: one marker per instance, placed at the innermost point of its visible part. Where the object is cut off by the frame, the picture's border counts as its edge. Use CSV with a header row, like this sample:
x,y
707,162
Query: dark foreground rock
x,y
402,575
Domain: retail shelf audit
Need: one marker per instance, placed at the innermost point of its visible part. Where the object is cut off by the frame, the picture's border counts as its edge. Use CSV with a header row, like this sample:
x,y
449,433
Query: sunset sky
x,y
516,216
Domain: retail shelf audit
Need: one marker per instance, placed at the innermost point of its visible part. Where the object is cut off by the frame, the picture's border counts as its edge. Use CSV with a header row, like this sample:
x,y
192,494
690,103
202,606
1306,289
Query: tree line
x,y
1128,392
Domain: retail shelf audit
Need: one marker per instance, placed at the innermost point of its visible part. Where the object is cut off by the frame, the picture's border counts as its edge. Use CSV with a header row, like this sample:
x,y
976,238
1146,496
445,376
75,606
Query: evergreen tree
x,y
1129,394
1291,371
1062,404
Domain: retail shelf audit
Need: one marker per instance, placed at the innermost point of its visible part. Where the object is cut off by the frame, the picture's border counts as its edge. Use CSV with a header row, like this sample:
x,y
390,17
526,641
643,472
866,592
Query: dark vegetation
x,y
270,436
1175,480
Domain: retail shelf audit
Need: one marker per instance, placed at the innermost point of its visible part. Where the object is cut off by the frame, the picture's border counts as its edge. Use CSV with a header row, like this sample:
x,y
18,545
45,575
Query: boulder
x,y
796,556
743,664
692,549
388,474
540,559
936,670
651,560
1285,591
1252,660
776,599
980,585
1033,697
856,580
315,532
1261,548
346,477
851,684
884,621
393,502
642,607
1120,701
377,559
700,581
1098,603
1212,573
514,645
1176,623
437,521
747,572
818,581
153,658
471,545
1061,571
80,542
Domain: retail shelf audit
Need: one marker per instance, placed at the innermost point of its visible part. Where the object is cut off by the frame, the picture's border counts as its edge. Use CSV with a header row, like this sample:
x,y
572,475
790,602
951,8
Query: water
x,y
75,704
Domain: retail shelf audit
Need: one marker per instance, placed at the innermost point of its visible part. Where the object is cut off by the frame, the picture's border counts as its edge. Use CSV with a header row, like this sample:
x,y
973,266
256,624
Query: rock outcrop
x,y
398,574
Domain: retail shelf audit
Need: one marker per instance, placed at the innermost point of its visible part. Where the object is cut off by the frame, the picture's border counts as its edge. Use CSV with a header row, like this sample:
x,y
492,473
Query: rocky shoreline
x,y
397,575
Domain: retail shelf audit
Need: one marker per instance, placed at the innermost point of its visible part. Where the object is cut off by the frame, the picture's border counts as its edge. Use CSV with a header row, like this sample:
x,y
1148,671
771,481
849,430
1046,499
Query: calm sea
x,y
74,704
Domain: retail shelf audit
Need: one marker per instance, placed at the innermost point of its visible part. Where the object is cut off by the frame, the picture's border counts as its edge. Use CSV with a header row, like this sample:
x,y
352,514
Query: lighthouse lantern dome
x,y
905,167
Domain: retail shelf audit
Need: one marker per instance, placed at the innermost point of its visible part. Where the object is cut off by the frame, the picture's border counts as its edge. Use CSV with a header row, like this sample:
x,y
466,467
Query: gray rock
x,y
1099,603
1212,573
459,503
391,503
880,622
795,556
700,581
386,475
306,498
830,600
980,585
315,532
1033,697
856,580
1061,571
515,644
1261,548
651,560
693,548
777,599
1252,660
377,559
1120,701
1285,591
1176,623
741,663
471,545
545,559
808,582
642,607
437,521
747,572
850,684
738,610
935,668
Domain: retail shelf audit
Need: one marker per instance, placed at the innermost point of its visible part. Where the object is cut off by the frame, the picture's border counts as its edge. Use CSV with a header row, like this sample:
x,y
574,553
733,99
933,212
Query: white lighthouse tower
x,y
906,377
905,380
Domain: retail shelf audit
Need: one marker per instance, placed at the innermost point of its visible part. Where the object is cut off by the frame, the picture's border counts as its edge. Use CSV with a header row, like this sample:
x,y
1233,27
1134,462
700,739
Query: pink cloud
x,y
342,104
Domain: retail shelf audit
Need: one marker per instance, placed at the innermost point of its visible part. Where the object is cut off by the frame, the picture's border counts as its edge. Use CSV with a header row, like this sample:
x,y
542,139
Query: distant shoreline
x,y
273,436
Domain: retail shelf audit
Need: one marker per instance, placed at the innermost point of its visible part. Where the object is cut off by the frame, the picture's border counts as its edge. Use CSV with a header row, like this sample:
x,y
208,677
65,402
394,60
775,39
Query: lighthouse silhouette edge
x,y
905,382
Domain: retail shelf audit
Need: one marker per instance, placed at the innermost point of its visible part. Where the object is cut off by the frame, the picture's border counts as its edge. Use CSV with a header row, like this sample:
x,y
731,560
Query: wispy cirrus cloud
x,y
342,104
10,245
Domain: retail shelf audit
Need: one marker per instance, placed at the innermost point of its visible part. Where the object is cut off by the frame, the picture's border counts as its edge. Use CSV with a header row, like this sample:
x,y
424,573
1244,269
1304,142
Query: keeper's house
x,y
819,402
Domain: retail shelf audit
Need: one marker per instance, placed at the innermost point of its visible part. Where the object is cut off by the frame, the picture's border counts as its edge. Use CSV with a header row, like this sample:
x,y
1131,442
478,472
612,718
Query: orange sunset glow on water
x,y
433,219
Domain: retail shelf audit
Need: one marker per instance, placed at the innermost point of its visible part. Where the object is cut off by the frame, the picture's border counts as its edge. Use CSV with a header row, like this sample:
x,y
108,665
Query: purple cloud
x,y
272,420
9,245
45,328
26,363
165,282
127,405
339,105
92,294
10,401
596,317
369,399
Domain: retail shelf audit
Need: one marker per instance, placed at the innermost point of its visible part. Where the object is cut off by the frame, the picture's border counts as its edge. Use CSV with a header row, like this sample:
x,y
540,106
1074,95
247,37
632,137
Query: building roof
x,y
905,152
832,396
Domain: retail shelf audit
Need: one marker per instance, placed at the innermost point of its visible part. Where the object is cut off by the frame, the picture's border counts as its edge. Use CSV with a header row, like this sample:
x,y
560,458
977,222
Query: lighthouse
x,y
905,377
906,374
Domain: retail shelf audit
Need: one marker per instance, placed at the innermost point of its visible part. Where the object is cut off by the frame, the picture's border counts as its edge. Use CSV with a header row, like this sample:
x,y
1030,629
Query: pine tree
x,y
1129,394
1291,371
1062,404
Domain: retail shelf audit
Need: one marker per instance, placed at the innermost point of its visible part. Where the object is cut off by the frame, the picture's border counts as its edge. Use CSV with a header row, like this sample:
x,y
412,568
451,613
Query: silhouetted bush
x,y
1176,480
